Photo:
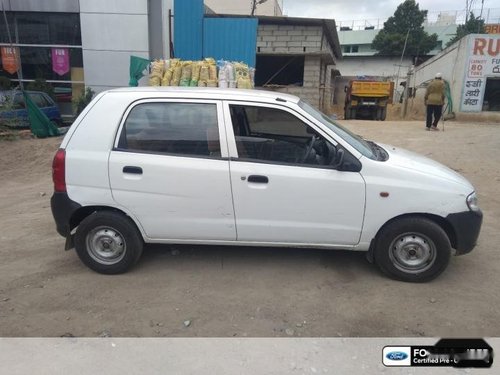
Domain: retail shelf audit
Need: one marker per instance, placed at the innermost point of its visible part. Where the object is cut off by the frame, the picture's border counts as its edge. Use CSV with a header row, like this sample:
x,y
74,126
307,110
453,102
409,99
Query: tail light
x,y
58,171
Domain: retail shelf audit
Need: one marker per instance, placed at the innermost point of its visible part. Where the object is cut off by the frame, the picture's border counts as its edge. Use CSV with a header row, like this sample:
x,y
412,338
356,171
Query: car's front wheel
x,y
108,242
413,249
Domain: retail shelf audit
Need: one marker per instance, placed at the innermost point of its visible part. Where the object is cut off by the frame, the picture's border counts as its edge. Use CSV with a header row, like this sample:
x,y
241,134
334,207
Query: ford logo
x,y
396,356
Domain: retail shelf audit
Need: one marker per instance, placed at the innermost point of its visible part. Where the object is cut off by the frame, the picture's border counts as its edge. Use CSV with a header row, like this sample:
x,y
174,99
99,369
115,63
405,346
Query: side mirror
x,y
338,159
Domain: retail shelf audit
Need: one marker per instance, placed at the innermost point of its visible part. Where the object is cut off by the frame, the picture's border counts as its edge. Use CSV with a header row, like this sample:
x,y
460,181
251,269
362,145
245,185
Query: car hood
x,y
402,158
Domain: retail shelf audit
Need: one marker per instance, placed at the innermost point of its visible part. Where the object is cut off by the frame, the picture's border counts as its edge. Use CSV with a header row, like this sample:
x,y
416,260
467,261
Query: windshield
x,y
354,140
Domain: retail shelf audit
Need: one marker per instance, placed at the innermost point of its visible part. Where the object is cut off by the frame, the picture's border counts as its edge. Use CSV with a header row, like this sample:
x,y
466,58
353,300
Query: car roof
x,y
207,93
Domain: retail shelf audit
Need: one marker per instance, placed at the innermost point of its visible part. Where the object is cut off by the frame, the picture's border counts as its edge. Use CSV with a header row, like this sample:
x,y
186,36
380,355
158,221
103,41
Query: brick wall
x,y
289,39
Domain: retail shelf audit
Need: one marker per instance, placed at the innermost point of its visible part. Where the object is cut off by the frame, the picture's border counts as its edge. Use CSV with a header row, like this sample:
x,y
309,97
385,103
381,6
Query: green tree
x,y
474,25
406,21
83,100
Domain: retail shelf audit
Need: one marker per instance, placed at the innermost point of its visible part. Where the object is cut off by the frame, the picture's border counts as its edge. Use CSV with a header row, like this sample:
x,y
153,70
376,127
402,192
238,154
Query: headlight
x,y
472,202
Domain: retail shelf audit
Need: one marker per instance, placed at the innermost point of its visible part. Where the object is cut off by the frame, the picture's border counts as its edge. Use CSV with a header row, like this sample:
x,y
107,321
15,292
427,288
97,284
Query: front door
x,y
284,187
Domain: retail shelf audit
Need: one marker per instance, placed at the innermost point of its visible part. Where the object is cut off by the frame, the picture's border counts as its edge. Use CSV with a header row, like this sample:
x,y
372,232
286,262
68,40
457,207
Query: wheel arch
x,y
441,221
85,211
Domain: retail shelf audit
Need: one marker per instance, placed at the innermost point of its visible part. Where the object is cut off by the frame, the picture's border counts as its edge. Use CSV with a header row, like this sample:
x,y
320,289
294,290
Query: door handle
x,y
132,169
258,179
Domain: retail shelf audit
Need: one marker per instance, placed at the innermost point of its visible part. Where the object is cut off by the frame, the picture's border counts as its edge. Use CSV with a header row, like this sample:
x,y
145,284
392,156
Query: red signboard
x,y
60,60
10,59
492,28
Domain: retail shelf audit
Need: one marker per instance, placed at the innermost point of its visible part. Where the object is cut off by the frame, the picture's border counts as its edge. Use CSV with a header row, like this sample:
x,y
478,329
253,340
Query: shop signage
x,y
60,60
10,58
483,61
492,28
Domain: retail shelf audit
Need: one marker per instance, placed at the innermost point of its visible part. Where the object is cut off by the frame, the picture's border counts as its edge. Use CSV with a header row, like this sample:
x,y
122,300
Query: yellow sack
x,y
212,72
204,73
154,81
157,69
167,77
195,74
244,83
177,73
187,69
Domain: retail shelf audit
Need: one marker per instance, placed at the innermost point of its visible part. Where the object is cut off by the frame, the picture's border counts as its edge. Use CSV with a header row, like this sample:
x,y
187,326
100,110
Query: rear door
x,y
169,169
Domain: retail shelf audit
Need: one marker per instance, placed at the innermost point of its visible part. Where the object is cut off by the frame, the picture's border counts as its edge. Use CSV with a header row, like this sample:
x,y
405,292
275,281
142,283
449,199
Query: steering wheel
x,y
309,148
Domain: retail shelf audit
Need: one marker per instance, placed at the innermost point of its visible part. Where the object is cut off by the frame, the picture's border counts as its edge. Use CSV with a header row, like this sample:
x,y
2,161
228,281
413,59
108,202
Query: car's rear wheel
x,y
108,242
412,249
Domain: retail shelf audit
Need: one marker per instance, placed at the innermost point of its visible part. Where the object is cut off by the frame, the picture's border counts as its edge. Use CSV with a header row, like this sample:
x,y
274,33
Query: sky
x,y
349,10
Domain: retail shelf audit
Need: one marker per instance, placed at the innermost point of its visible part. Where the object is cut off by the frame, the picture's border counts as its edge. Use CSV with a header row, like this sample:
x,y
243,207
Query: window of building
x,y
275,135
174,128
355,49
48,28
36,34
279,70
347,49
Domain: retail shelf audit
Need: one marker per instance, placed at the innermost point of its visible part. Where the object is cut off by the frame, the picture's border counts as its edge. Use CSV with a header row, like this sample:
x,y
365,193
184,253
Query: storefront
x,y
472,68
43,45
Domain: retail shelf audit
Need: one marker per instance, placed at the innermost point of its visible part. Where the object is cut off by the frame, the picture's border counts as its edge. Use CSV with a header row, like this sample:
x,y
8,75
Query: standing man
x,y
434,100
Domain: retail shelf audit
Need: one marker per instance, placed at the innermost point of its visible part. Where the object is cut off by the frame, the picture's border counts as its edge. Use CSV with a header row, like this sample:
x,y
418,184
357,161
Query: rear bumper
x,y
467,226
63,209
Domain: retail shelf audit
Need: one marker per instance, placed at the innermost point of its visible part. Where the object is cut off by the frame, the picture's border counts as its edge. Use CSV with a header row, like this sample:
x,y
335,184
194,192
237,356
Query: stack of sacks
x,y
205,73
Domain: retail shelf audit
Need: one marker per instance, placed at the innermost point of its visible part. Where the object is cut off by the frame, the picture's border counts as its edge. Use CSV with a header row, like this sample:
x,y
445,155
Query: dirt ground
x,y
228,291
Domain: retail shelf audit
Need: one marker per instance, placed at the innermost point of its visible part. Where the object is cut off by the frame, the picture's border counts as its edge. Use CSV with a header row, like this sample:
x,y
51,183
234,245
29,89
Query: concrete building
x,y
472,68
244,7
298,56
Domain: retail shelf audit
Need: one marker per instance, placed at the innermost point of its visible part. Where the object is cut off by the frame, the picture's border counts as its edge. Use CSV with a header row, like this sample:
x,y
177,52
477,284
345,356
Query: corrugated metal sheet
x,y
188,29
233,39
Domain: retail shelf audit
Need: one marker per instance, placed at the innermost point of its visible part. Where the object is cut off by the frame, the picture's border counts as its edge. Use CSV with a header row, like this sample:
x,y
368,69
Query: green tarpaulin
x,y
40,124
137,67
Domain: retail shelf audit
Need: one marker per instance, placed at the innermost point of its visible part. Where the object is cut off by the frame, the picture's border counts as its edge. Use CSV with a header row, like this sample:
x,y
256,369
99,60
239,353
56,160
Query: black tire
x,y
383,114
58,123
412,249
108,242
347,113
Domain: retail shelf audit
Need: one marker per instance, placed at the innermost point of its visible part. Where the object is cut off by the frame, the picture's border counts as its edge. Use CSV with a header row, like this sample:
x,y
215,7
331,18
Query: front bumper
x,y
466,226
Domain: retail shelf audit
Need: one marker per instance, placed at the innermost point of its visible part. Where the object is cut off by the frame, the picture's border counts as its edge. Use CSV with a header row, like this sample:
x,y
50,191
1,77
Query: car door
x,y
282,195
169,169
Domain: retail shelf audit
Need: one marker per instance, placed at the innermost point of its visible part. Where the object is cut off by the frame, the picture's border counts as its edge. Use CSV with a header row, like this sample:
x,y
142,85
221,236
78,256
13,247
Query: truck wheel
x,y
383,114
376,114
108,242
347,113
412,249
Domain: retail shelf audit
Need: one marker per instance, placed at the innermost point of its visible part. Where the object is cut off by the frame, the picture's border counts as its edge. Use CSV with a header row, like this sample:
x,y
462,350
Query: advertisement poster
x,y
483,61
10,59
60,60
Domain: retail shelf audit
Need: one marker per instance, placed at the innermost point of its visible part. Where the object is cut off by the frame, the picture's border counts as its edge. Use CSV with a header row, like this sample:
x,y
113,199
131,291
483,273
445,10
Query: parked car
x,y
252,168
13,107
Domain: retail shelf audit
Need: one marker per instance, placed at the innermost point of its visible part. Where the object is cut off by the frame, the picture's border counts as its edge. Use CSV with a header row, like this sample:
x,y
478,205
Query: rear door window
x,y
189,129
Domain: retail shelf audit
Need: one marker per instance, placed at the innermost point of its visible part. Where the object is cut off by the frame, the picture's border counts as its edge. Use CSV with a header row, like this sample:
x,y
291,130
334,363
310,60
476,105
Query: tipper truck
x,y
367,98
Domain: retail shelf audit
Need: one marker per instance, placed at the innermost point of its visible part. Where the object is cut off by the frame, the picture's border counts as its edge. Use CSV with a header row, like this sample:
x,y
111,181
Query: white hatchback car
x,y
238,167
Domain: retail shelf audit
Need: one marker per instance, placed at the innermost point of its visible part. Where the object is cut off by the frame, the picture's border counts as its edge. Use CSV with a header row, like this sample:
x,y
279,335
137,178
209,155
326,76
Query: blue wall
x,y
197,37
233,39
188,29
